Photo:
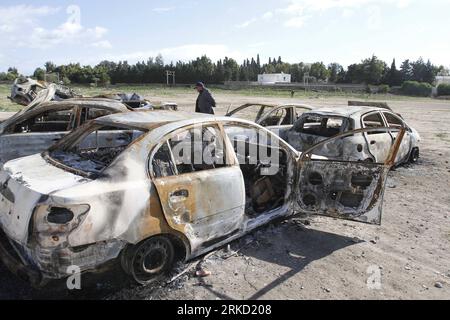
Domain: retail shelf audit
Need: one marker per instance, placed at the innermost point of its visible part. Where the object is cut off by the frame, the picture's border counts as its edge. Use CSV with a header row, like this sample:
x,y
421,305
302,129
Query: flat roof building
x,y
272,78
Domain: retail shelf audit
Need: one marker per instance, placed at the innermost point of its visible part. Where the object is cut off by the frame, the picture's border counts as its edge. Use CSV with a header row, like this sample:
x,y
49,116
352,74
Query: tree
x,y
443,71
39,74
159,61
424,72
369,71
50,67
12,74
319,71
406,71
13,70
373,70
354,73
336,72
393,76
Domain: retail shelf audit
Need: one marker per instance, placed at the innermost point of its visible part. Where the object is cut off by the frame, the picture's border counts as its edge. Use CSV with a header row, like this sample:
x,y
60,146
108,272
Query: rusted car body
x,y
25,91
39,125
135,197
268,115
322,123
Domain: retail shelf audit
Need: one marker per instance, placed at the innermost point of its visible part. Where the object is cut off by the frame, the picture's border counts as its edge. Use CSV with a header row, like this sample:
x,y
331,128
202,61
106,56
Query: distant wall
x,y
296,86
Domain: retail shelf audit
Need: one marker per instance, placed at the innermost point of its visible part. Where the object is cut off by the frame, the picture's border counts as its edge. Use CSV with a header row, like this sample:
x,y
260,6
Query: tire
x,y
415,155
148,261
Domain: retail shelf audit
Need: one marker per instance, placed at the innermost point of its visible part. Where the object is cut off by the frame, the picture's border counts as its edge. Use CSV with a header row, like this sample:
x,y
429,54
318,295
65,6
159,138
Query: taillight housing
x,y
59,215
52,223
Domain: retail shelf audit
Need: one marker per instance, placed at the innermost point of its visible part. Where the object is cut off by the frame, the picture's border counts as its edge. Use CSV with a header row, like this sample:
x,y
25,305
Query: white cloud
x,y
24,29
374,21
163,9
14,18
103,44
246,23
348,13
258,44
299,10
321,5
267,15
296,22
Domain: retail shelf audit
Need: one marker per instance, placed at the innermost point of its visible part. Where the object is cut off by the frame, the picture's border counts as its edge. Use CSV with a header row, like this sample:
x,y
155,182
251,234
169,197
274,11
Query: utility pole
x,y
168,75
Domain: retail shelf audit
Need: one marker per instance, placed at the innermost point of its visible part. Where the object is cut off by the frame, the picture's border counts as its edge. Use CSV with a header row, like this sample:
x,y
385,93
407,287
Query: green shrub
x,y
384,88
414,88
66,81
444,89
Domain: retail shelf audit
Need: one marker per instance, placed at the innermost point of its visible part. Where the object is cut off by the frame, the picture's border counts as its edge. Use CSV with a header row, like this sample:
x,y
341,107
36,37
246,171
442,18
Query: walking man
x,y
205,101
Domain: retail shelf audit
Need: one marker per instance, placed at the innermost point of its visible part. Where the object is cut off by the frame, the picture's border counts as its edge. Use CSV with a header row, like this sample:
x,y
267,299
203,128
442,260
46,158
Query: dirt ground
x,y
321,258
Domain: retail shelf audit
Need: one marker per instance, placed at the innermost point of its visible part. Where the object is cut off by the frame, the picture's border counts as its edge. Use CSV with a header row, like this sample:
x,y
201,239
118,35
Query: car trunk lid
x,y
24,183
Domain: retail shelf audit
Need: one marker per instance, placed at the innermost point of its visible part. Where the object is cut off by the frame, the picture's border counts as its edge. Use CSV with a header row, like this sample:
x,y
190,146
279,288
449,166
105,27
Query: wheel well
x,y
415,149
181,246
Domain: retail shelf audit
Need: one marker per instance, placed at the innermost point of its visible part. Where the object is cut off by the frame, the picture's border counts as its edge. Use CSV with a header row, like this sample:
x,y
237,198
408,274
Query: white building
x,y
272,78
442,79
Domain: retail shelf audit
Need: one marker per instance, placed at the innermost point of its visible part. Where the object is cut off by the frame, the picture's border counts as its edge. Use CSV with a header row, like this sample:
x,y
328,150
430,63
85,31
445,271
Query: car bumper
x,y
38,265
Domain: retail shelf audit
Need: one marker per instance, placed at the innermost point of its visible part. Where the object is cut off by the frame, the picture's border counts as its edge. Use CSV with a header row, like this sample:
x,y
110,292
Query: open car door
x,y
343,189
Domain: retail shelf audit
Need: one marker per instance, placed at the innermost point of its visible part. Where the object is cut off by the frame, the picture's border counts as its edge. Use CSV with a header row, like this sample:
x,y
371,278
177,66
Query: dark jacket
x,y
205,102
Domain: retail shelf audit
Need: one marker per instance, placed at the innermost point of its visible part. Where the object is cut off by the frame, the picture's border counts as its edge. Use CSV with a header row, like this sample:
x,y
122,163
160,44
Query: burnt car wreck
x,y
138,102
41,124
138,187
25,90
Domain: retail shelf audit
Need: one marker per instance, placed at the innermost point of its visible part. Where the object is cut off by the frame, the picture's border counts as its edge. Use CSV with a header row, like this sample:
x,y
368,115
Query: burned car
x,y
166,184
138,102
268,115
25,90
323,123
39,125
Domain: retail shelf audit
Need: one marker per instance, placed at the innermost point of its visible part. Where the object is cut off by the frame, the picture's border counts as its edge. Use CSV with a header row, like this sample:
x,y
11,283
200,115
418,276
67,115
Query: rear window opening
x,y
323,126
91,152
49,121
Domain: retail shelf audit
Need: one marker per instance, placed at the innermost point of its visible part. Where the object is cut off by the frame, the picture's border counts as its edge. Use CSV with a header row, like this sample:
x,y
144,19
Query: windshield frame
x,y
348,123
77,136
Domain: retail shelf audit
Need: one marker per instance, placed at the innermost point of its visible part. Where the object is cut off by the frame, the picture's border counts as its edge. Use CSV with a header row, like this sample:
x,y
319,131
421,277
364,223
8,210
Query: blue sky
x,y
345,31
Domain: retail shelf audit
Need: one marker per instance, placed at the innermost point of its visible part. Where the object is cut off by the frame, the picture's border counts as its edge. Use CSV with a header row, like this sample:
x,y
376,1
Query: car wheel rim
x,y
150,261
154,261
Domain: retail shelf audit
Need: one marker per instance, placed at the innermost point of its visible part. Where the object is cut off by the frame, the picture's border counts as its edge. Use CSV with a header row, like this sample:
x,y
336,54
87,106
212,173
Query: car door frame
x,y
407,133
225,225
366,137
364,179
261,112
292,111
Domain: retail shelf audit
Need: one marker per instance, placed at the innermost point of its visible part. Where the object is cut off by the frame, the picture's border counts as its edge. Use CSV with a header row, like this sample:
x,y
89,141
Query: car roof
x,y
106,104
103,103
148,120
345,111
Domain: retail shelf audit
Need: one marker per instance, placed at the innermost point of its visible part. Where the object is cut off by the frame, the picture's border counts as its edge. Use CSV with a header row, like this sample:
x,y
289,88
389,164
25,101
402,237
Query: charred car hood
x,y
24,183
